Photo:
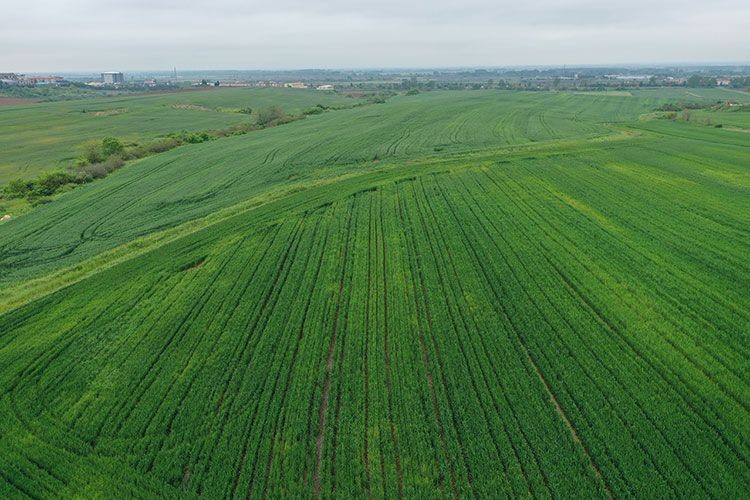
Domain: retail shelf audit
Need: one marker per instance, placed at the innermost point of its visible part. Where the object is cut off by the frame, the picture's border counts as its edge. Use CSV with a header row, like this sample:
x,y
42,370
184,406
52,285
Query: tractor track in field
x,y
323,412
484,349
260,322
103,218
281,348
176,337
387,357
425,357
337,411
365,434
297,344
636,352
227,382
690,361
501,310
604,394
244,342
548,387
270,156
564,417
183,371
543,122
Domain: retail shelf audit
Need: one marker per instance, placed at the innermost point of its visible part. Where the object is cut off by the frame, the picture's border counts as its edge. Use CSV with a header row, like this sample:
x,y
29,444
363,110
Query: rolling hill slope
x,y
195,181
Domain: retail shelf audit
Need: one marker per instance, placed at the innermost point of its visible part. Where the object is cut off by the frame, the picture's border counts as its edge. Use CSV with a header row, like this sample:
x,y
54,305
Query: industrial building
x,y
112,77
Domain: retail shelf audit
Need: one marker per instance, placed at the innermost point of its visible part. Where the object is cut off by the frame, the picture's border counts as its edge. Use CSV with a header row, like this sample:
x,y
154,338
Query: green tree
x,y
111,146
91,152
694,81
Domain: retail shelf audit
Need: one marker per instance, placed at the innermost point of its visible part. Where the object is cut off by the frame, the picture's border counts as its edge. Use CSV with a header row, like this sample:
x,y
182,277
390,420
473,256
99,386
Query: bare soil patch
x,y
195,107
111,112
13,101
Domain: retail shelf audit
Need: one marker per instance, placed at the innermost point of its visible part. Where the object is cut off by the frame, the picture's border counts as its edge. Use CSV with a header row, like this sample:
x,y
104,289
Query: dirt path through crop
x,y
568,423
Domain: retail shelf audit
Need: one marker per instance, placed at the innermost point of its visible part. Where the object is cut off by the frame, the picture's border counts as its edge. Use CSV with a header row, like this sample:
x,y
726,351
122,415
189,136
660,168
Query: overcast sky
x,y
94,35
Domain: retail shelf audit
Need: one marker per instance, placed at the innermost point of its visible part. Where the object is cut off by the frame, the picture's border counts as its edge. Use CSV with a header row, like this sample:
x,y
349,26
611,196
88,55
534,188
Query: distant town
x,y
117,79
541,78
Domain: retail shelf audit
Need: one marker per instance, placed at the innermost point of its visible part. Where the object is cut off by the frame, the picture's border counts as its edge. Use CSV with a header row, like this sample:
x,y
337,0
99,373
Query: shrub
x,y
112,164
51,182
98,151
18,188
133,153
270,115
162,145
83,177
190,137
111,146
95,171
287,119
376,99
196,137
91,152
36,201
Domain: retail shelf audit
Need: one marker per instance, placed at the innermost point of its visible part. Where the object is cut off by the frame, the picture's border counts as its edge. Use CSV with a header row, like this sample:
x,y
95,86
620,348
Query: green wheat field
x,y
450,294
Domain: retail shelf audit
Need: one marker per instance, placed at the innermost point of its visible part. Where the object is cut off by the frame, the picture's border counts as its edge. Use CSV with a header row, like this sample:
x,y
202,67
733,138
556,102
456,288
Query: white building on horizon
x,y
112,77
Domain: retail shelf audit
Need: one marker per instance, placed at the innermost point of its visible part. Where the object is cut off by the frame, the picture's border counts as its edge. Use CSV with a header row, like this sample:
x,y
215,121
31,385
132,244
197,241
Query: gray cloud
x,y
155,34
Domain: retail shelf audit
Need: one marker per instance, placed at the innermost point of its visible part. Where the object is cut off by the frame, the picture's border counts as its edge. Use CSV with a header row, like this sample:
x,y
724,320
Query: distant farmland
x,y
46,135
451,294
